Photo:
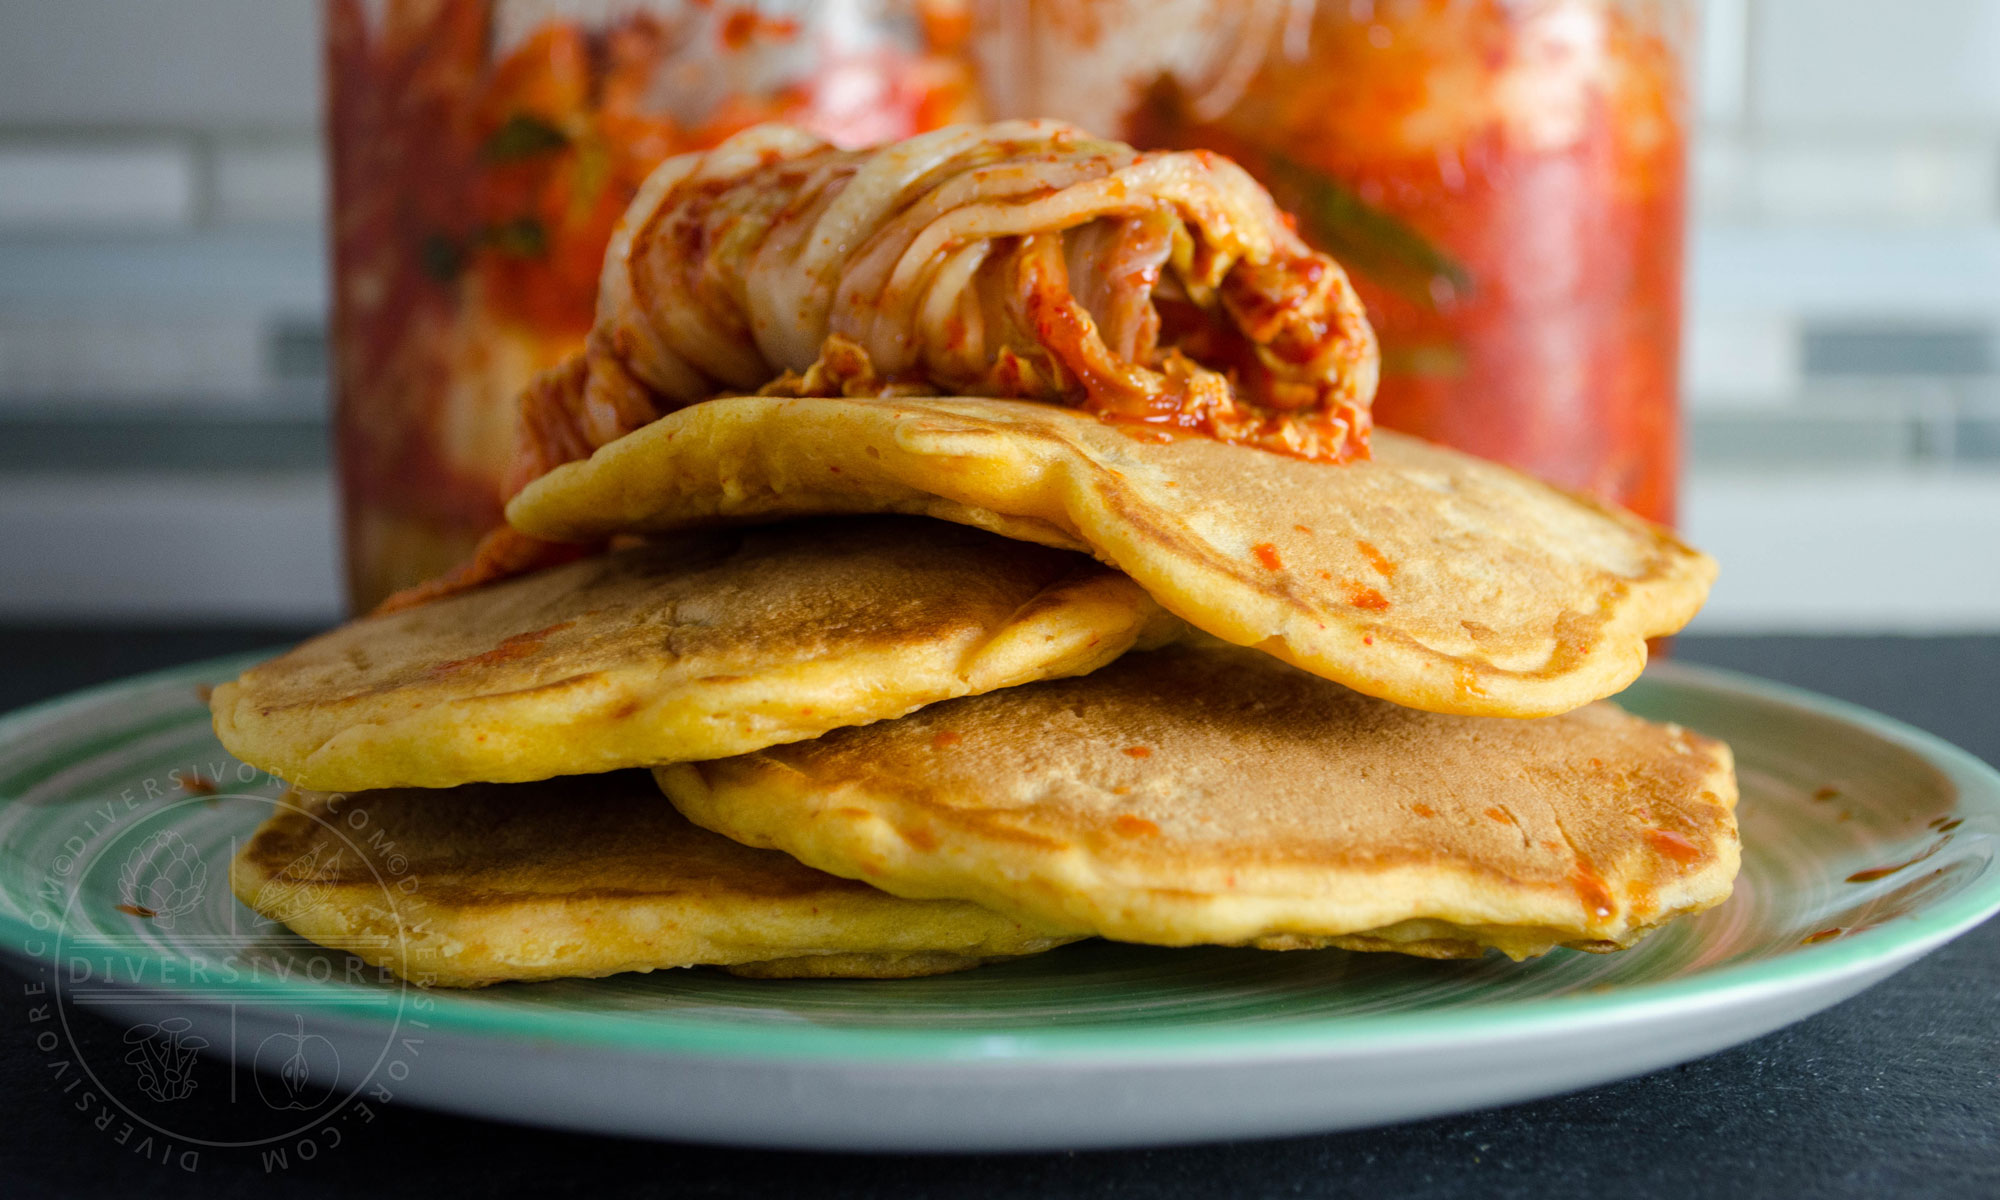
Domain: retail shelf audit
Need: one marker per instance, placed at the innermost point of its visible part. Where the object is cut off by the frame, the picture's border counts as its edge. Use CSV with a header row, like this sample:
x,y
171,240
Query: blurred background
x,y
163,333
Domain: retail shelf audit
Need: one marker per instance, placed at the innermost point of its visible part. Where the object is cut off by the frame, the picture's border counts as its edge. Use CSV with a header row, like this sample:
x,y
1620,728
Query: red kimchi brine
x,y
1504,180
483,149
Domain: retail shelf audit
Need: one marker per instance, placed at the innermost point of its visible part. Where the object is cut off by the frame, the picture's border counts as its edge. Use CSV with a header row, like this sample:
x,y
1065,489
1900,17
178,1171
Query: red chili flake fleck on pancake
x,y
1377,559
521,645
1360,595
1591,889
194,785
1267,554
1366,640
1824,935
1674,845
138,910
1826,793
1139,751
834,469
946,737
1423,810
1326,574
1128,825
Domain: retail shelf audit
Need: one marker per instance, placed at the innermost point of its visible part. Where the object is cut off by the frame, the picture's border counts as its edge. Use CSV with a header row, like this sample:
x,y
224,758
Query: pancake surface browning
x,y
585,877
702,646
1211,794
1424,576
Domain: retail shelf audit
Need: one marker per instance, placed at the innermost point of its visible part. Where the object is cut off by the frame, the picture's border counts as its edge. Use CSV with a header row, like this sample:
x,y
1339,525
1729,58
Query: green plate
x,y
1866,843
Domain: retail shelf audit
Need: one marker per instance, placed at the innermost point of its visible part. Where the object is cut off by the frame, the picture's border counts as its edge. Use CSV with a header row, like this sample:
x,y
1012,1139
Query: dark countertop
x,y
1896,1092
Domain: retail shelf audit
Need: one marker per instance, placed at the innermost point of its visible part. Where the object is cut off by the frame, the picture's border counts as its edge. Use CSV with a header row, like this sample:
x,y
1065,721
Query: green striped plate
x,y
1867,843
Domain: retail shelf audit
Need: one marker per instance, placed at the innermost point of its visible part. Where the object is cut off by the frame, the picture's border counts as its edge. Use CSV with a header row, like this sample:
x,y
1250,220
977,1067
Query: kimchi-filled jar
x,y
1503,178
482,150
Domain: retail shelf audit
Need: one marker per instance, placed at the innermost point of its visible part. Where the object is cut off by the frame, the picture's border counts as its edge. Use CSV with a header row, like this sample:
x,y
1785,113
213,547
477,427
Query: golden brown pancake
x,y
701,646
1210,794
584,877
1424,576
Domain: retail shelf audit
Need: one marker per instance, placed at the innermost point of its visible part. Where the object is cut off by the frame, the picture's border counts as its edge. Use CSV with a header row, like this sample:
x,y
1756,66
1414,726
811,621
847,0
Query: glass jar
x,y
1503,178
481,151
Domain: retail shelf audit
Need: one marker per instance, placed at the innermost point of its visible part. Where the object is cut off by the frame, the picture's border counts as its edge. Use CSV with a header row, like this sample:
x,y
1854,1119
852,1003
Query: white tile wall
x,y
168,547
1835,66
1720,177
1722,62
170,320
275,270
1877,272
205,359
1837,438
1848,550
124,185
1735,359
149,63
1928,182
268,181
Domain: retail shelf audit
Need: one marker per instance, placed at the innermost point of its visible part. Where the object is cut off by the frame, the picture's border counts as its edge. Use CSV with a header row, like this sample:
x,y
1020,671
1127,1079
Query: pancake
x,y
1424,576
583,877
1210,794
705,645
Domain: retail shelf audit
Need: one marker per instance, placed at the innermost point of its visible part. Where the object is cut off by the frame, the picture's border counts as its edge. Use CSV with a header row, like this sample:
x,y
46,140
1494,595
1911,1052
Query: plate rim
x,y
668,1033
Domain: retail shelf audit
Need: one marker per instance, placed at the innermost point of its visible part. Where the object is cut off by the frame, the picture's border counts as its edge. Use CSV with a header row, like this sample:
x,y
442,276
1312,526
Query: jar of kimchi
x,y
482,150
1504,179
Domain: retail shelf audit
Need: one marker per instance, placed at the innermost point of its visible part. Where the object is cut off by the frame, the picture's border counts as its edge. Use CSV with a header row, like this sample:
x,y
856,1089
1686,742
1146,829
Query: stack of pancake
x,y
883,685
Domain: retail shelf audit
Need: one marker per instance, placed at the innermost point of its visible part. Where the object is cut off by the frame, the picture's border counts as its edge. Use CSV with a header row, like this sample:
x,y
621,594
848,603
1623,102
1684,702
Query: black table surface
x,y
1895,1092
